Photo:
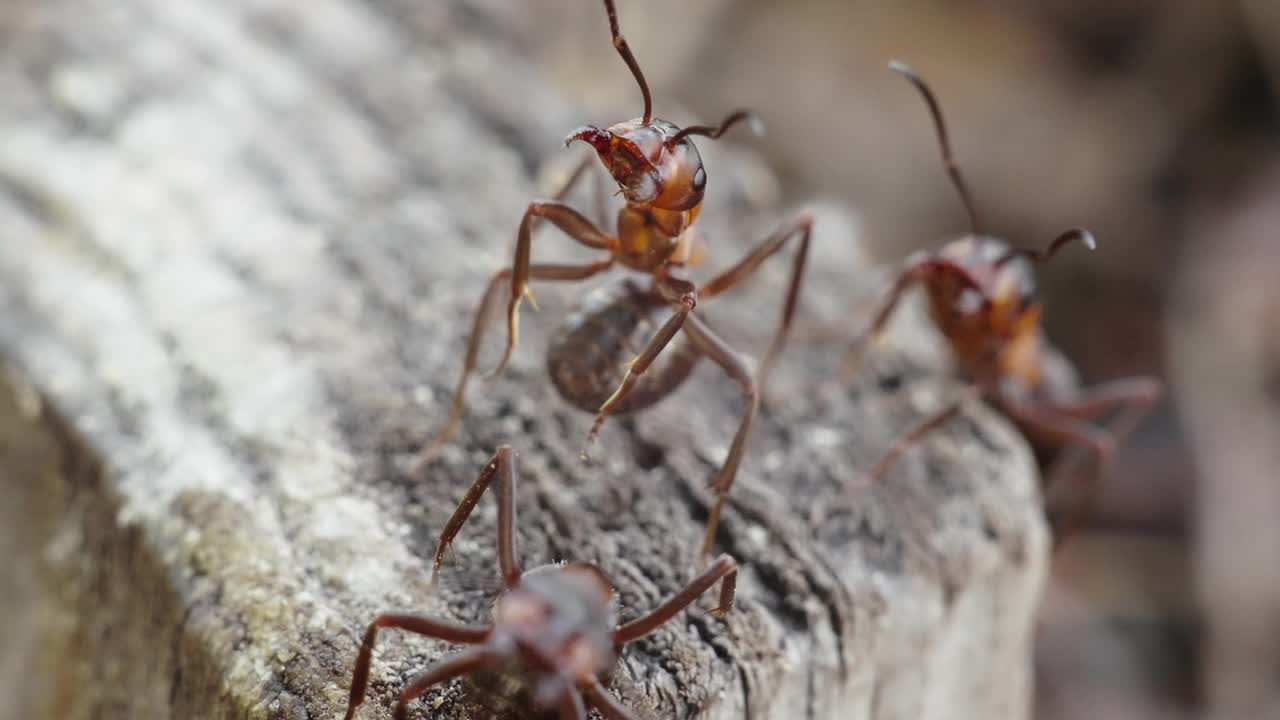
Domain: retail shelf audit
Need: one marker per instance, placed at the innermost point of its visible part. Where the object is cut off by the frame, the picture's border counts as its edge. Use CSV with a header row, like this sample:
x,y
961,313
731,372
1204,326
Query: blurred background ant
x,y
982,297
607,358
555,627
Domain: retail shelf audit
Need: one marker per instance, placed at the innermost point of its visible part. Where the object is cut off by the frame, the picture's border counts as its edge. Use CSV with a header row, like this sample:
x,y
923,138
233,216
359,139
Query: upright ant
x,y
554,625
661,177
981,295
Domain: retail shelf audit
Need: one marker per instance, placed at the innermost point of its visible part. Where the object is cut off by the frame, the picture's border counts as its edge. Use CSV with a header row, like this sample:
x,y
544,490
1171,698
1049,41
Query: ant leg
x,y
598,197
917,270
467,661
912,437
579,171
571,706
801,228
508,560
1131,397
901,445
713,347
609,708
723,567
501,464
573,224
431,627
1056,429
641,363
562,273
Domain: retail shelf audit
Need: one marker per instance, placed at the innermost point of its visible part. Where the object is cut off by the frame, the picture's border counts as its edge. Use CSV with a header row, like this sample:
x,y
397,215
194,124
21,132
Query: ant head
x,y
983,276
983,279
562,619
654,162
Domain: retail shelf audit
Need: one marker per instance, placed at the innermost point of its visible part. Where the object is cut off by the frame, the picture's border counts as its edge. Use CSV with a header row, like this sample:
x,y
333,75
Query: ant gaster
x,y
556,624
981,296
662,180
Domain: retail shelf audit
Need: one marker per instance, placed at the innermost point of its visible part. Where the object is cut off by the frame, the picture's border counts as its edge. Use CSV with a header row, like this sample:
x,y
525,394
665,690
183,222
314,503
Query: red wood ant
x,y
981,296
555,623
661,177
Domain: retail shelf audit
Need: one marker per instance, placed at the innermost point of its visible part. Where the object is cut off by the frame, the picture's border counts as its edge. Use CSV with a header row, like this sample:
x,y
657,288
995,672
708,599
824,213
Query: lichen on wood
x,y
240,247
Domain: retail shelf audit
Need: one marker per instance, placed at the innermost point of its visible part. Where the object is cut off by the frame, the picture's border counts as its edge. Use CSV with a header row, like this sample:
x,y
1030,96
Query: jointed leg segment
x,y
610,708
723,567
641,363
561,273
502,465
800,228
917,270
463,663
421,625
713,347
1057,429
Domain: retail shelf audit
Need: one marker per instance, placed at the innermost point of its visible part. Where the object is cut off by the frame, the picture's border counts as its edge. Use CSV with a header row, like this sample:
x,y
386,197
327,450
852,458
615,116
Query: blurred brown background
x,y
1155,125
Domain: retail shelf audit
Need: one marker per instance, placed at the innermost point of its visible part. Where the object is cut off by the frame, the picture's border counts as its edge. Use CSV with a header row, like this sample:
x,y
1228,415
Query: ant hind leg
x,y
801,228
713,347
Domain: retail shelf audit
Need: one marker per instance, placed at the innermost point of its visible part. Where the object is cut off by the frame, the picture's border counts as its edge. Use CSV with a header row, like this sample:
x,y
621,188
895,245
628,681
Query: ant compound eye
x,y
699,180
969,302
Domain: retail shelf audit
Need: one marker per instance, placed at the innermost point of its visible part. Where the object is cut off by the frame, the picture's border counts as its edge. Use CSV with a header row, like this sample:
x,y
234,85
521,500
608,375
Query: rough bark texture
x,y
240,245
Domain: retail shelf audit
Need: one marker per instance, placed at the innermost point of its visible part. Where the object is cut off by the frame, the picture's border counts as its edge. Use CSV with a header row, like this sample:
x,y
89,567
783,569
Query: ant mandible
x,y
981,296
661,177
556,622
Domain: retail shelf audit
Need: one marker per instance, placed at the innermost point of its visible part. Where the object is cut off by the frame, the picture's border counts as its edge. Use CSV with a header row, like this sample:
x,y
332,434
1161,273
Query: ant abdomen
x,y
588,356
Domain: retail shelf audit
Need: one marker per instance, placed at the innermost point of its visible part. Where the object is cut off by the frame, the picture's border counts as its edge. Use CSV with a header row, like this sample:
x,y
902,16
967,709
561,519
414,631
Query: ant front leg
x,y
502,464
919,270
573,224
637,367
584,167
463,663
802,228
418,624
724,567
713,347
560,273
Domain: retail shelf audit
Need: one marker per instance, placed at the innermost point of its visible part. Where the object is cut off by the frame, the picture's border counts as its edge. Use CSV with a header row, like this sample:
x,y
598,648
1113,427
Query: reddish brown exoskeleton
x,y
554,627
593,361
981,295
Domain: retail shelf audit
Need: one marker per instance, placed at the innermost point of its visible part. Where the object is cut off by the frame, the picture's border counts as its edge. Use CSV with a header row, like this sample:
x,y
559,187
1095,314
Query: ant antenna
x,y
620,44
953,170
1073,235
752,120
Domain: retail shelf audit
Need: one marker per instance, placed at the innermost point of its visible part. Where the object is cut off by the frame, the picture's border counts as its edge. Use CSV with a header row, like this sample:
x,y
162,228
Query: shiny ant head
x,y
977,283
654,162
561,618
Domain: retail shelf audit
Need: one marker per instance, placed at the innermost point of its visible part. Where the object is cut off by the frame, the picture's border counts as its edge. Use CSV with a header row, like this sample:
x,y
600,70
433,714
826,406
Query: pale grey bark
x,y
239,247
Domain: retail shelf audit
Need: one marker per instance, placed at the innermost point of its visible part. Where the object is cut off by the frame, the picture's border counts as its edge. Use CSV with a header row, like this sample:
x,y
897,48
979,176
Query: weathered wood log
x,y
240,243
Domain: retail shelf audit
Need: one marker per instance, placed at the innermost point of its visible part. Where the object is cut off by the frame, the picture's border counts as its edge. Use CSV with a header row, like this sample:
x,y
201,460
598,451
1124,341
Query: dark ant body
x,y
554,624
661,177
981,295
